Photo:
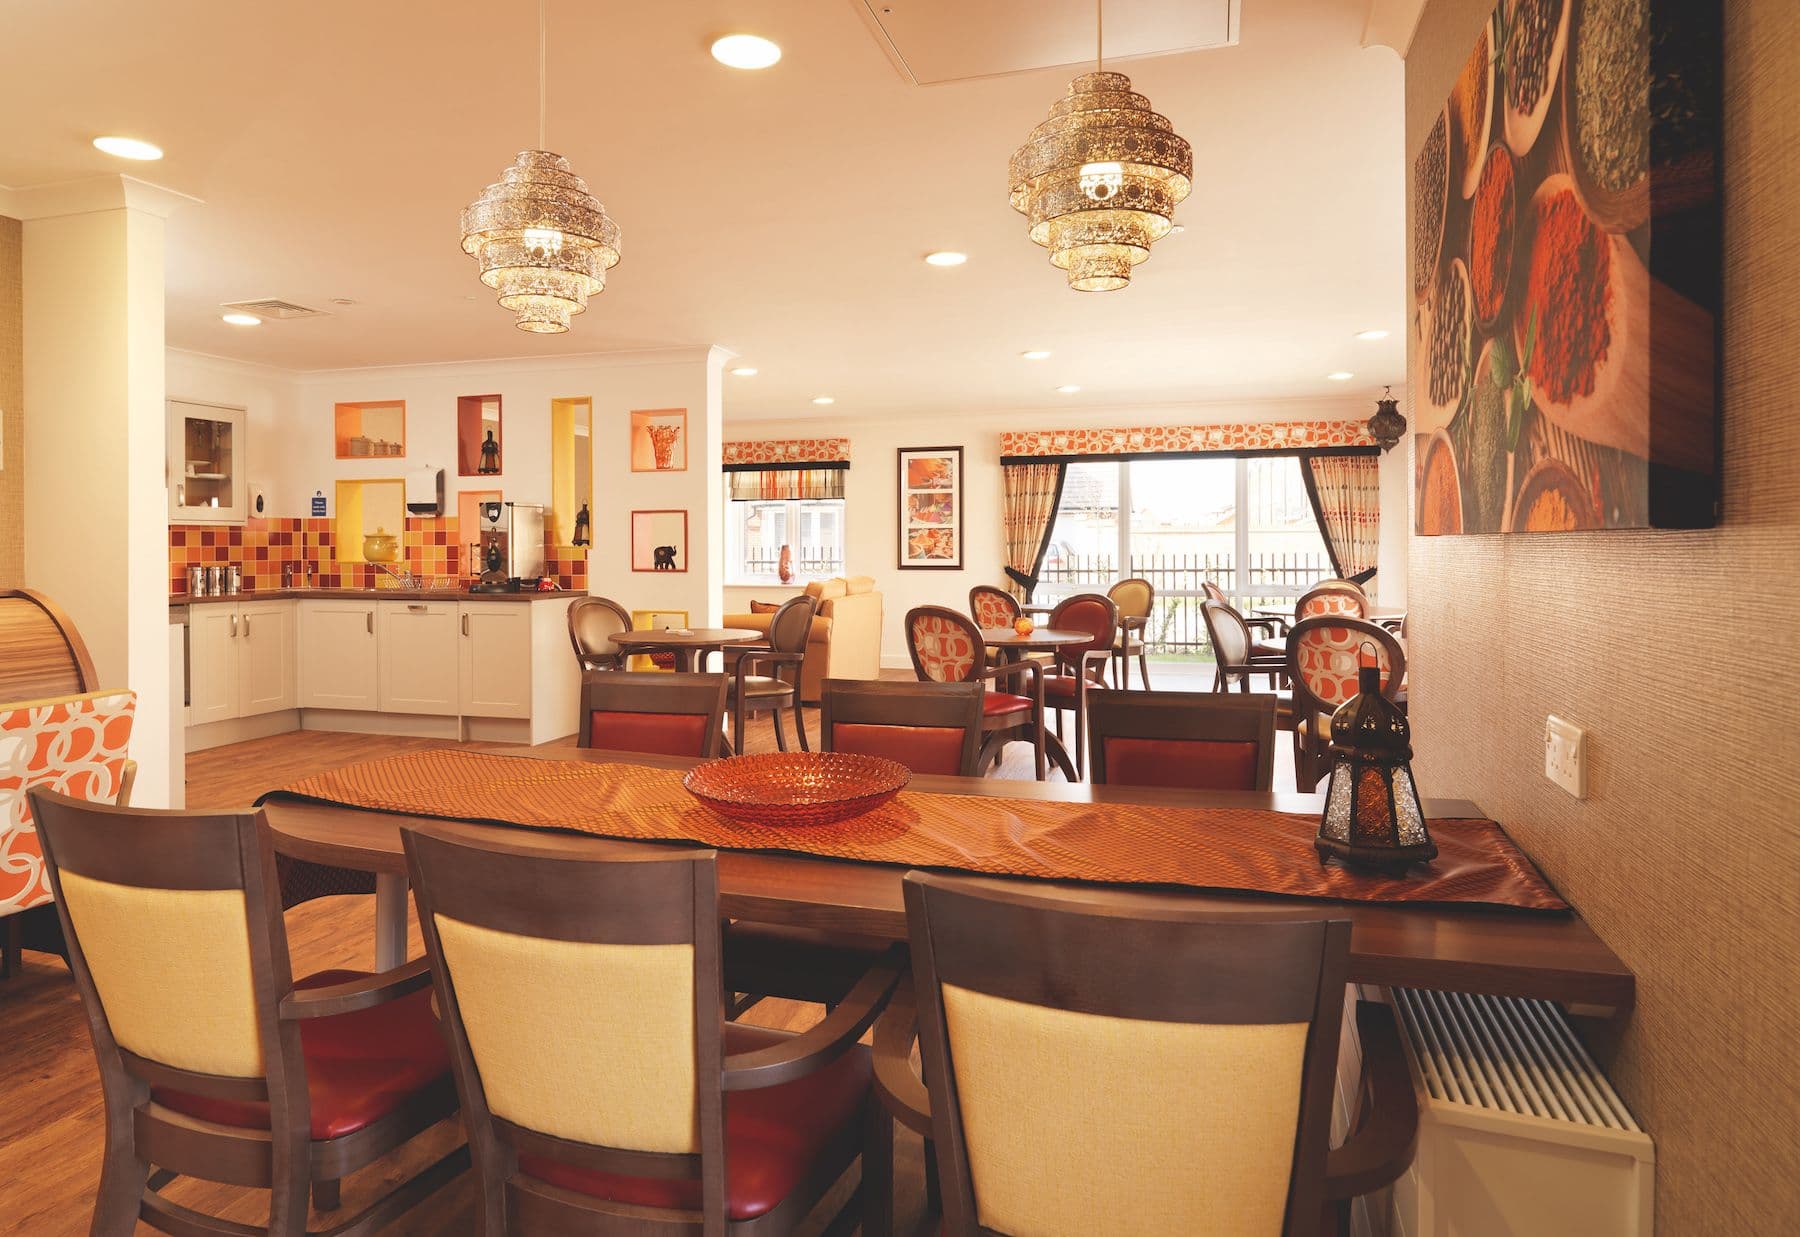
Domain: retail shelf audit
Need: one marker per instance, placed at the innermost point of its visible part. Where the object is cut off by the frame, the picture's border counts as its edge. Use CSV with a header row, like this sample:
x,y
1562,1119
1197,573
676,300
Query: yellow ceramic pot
x,y
381,546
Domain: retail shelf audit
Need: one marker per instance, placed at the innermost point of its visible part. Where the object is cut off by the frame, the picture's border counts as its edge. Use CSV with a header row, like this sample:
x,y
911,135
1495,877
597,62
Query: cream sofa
x,y
846,633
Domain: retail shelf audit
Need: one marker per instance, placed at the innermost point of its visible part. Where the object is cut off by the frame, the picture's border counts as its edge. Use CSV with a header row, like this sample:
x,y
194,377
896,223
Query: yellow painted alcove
x,y
571,464
365,507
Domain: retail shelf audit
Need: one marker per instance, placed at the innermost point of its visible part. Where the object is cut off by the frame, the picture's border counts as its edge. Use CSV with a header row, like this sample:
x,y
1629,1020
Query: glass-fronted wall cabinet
x,y
206,464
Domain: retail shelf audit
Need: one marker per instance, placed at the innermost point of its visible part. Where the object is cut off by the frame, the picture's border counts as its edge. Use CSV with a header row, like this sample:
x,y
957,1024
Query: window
x,y
756,529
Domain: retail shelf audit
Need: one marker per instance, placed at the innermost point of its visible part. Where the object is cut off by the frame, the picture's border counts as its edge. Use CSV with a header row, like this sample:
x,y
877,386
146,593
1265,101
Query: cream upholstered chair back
x,y
1096,1072
593,621
571,990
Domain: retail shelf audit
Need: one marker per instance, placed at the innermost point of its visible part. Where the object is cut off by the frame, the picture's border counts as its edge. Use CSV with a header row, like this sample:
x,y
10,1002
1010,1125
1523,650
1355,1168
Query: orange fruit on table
x,y
1023,625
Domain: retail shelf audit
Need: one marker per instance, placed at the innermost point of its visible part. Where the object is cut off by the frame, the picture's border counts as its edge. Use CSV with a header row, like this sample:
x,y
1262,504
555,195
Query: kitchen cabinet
x,y
205,468
337,654
417,651
494,660
212,664
265,657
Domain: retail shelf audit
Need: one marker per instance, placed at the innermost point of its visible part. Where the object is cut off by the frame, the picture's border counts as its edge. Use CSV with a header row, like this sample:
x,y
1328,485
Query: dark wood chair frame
x,y
1329,587
655,691
1131,628
1217,613
612,658
1191,716
1275,627
1063,953
996,590
790,628
1001,729
946,705
148,1145
1312,757
640,895
1087,667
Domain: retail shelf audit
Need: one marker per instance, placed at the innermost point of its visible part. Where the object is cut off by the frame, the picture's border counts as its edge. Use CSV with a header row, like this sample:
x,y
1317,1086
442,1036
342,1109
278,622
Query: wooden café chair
x,y
948,648
602,1089
1332,599
1274,629
1192,740
592,623
1079,668
215,1062
1324,657
992,607
757,685
931,728
1236,657
653,712
1091,1067
1135,600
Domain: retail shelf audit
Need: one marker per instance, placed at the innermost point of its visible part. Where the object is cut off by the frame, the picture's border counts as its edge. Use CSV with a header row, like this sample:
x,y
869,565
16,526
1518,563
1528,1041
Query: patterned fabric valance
x,y
786,452
782,484
1175,439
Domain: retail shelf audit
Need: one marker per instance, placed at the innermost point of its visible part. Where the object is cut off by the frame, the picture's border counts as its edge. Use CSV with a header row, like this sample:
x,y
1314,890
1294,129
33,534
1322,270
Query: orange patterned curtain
x,y
1031,492
1346,493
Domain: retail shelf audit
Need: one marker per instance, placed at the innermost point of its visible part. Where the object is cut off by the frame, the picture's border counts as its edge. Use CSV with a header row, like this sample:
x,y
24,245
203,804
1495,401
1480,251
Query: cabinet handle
x,y
465,624
234,627
369,617
416,607
246,627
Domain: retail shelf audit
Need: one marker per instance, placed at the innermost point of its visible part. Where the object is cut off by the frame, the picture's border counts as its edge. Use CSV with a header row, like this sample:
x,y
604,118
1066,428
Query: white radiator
x,y
1520,1134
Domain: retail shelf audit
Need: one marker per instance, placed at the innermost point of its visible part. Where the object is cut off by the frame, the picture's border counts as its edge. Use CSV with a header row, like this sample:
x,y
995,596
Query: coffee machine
x,y
508,553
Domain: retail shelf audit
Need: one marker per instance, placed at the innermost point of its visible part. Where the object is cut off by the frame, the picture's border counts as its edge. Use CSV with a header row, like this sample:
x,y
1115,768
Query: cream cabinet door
x,y
418,657
212,663
337,654
266,657
495,659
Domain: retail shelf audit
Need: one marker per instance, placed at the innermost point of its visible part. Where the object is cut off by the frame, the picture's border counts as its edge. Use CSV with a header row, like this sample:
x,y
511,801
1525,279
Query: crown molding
x,y
91,195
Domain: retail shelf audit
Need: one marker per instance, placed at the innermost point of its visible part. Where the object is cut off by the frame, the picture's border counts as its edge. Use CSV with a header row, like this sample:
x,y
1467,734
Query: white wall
x,y
270,398
870,493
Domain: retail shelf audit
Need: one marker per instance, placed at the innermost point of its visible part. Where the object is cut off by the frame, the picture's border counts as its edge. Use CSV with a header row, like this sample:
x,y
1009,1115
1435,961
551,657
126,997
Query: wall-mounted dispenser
x,y
425,491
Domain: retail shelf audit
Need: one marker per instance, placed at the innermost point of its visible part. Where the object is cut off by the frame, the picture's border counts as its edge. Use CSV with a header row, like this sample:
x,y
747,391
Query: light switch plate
x,y
1565,755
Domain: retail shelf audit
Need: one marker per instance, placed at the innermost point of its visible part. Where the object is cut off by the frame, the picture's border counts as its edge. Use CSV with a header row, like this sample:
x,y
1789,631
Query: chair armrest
x,y
1275,626
1030,669
355,994
1095,660
901,1090
1381,1146
127,779
824,1042
751,656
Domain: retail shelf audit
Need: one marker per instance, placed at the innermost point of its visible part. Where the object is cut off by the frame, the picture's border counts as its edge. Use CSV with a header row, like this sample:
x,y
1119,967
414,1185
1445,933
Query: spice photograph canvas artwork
x,y
1565,274
931,507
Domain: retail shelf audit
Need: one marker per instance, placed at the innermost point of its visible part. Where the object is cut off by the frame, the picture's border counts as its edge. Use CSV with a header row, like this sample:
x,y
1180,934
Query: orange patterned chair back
x,y
1332,599
946,647
992,607
1325,654
74,745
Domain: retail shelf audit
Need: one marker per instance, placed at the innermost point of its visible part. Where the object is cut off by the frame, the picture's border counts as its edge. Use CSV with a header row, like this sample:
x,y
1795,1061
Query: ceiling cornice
x,y
1392,23
91,194
513,365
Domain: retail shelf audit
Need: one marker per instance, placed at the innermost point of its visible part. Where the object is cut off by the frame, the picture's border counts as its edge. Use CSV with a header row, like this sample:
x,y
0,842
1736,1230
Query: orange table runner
x,y
1214,848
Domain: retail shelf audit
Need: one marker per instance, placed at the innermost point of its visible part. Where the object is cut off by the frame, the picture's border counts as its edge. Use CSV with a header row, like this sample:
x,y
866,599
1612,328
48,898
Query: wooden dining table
x,y
1455,948
1014,644
684,642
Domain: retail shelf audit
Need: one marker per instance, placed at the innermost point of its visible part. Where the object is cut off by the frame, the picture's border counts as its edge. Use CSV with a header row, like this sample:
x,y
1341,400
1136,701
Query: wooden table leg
x,y
390,920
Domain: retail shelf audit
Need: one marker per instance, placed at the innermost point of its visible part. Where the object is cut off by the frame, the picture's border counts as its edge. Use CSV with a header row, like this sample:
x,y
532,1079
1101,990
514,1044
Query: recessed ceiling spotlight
x,y
241,319
945,257
1372,335
1036,354
745,371
823,399
1068,389
1342,375
745,51
128,148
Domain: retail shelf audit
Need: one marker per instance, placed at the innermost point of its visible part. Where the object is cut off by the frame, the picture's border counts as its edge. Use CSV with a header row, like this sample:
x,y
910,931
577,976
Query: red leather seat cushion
x,y
664,734
1003,702
1193,764
359,1066
773,1136
923,749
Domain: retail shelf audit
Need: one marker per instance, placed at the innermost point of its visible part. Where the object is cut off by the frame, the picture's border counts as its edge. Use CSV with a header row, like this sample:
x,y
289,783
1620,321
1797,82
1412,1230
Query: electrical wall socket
x,y
1565,755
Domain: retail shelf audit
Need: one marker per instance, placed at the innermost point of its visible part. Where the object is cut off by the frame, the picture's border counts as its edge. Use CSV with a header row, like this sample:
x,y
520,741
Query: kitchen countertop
x,y
374,594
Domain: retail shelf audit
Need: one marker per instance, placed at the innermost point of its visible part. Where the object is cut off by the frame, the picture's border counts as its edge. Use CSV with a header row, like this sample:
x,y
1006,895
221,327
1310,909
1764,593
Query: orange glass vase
x,y
1023,625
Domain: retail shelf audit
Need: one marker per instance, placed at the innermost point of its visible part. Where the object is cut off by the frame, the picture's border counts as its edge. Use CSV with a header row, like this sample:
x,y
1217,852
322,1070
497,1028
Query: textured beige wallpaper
x,y
12,411
1680,654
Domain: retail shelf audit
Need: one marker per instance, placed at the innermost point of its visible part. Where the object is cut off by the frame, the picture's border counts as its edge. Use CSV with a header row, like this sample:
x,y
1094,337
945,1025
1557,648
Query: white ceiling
x,y
782,214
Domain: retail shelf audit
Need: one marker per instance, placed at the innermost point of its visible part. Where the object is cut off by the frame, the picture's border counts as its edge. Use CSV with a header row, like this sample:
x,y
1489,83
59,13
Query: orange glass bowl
x,y
796,788
1023,625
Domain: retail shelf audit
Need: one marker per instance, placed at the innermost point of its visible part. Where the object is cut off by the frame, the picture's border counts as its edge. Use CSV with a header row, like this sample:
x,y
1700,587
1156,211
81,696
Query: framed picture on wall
x,y
931,508
659,541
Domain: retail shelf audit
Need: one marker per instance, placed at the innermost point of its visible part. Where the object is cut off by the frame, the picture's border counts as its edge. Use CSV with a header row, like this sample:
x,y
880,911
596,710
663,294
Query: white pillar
x,y
96,505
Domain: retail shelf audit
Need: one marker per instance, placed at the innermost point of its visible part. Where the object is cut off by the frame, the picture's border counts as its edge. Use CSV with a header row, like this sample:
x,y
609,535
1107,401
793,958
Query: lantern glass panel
x,y
1409,816
1337,803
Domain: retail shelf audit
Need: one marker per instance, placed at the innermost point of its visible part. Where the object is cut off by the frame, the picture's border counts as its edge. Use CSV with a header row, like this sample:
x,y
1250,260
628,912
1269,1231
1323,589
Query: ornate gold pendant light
x,y
1100,179
542,241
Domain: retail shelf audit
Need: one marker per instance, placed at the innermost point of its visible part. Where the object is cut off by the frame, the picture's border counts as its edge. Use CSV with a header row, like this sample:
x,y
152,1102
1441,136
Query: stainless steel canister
x,y
212,583
196,581
234,580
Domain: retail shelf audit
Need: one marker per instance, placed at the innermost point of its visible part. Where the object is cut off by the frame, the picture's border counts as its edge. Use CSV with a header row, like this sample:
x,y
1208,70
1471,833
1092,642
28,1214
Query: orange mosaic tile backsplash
x,y
264,549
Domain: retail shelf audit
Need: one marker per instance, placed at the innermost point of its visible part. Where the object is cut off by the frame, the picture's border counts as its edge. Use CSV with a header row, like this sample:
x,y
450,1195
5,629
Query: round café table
x,y
1014,646
685,642
1388,618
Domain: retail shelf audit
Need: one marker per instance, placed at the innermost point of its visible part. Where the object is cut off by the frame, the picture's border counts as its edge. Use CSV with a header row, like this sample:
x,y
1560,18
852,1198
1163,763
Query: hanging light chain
x,y
542,6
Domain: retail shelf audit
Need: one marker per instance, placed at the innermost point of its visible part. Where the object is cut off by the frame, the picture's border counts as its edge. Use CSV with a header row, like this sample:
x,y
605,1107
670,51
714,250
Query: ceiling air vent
x,y
274,309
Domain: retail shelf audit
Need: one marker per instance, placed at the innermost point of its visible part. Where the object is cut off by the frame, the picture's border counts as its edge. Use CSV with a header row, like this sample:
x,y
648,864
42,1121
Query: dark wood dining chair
x,y
946,647
1273,629
1079,668
758,684
1336,598
592,623
1194,740
931,728
602,1089
1135,601
215,1063
1091,1067
1237,658
990,606
666,714
1324,659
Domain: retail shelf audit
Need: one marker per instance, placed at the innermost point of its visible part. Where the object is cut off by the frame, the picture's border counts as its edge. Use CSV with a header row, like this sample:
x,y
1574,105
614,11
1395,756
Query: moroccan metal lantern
x,y
1387,425
1372,816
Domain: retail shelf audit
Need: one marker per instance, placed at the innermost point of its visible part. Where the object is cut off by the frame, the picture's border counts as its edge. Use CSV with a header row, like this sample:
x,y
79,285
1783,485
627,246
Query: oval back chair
x,y
1080,666
1331,600
947,647
1324,657
992,607
1135,600
592,623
